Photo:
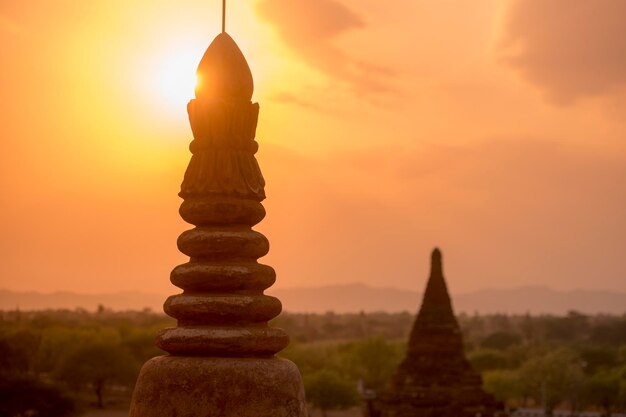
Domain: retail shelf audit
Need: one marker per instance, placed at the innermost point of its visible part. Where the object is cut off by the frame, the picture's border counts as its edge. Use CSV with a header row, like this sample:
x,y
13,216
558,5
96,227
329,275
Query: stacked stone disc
x,y
222,310
221,360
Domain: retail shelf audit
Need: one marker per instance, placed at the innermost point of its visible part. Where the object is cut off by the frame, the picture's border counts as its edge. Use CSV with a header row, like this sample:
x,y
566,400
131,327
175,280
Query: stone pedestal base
x,y
178,386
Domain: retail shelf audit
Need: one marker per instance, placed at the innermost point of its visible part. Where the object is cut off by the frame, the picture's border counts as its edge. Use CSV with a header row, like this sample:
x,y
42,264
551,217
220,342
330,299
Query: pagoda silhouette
x,y
435,379
221,355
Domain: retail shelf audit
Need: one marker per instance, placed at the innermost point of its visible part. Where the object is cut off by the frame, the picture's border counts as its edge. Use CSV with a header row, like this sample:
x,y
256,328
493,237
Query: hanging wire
x,y
223,16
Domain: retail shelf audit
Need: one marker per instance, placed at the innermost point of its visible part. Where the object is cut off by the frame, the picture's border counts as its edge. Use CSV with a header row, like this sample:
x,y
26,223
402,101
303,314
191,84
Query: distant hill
x,y
350,298
536,300
347,298
32,300
540,299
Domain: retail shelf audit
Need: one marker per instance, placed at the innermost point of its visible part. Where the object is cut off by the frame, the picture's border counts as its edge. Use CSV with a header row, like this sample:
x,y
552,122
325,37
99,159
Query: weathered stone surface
x,y
223,242
435,379
221,211
221,361
219,387
222,309
212,277
223,341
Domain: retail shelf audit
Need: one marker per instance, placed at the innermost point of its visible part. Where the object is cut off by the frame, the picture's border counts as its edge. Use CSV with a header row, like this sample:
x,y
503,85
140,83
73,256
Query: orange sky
x,y
494,129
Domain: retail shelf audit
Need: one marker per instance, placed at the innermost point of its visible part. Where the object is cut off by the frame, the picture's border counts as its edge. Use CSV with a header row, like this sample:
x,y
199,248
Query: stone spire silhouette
x,y
221,354
435,379
223,310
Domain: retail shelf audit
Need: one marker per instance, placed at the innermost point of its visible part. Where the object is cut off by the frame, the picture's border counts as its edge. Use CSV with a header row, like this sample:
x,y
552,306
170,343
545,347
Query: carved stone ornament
x,y
221,353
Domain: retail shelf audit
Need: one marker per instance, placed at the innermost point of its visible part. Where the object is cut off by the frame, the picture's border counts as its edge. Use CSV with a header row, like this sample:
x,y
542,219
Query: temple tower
x,y
435,379
221,359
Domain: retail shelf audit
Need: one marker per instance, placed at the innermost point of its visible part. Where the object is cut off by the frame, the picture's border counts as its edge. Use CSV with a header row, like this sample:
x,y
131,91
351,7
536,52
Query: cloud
x,y
290,98
569,48
511,212
310,29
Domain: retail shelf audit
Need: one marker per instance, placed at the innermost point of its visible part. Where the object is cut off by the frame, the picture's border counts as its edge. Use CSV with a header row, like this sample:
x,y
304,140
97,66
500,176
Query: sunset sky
x,y
494,129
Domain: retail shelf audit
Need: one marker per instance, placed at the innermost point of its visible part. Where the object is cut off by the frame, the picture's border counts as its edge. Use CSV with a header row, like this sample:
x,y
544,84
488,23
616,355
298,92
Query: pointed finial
x,y
436,301
223,72
435,263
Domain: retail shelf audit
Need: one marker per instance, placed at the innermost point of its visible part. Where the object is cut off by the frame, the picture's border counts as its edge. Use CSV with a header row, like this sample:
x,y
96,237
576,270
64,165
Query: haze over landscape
x,y
349,298
492,129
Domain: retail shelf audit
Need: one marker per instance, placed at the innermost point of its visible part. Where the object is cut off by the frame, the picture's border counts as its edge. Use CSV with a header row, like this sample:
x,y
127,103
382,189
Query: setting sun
x,y
175,78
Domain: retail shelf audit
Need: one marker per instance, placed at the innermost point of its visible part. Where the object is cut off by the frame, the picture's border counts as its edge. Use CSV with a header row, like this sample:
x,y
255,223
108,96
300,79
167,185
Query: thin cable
x,y
223,16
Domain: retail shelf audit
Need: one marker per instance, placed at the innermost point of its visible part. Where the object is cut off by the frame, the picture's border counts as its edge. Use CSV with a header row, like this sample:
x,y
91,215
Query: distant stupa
x,y
435,379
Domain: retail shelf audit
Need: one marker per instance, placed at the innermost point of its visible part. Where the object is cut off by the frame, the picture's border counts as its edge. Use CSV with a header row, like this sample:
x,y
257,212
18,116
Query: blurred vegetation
x,y
56,363
329,390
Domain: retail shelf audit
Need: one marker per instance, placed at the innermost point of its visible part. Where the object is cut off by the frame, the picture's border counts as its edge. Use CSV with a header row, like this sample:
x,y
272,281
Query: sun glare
x,y
175,76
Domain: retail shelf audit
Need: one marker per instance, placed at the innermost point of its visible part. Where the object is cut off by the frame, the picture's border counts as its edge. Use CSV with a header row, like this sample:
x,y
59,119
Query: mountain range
x,y
350,298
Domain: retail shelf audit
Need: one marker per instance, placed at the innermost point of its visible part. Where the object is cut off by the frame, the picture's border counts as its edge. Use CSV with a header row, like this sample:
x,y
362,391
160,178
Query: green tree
x,y
25,396
622,388
311,357
327,390
97,365
55,342
140,343
553,377
373,361
504,384
487,360
603,389
500,340
12,359
24,342
597,358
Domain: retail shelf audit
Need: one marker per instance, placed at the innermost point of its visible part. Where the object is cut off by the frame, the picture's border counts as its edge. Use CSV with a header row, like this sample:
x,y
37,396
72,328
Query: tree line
x,y
575,361
60,362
